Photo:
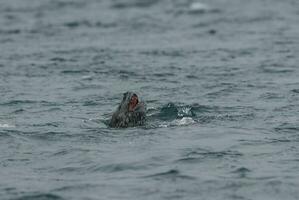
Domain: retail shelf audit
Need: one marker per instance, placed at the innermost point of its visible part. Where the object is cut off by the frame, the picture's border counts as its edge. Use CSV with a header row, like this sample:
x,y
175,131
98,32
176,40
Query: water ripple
x,y
201,155
172,174
133,3
46,196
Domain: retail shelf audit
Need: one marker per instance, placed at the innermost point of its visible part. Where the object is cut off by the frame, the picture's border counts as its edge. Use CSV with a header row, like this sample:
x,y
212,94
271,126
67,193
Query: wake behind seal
x,y
130,112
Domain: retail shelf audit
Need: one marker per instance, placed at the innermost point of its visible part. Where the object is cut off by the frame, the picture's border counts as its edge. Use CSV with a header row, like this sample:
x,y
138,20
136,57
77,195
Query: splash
x,y
172,115
185,121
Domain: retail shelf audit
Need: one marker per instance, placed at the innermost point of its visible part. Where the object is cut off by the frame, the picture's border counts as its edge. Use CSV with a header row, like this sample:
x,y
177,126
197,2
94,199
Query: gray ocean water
x,y
220,79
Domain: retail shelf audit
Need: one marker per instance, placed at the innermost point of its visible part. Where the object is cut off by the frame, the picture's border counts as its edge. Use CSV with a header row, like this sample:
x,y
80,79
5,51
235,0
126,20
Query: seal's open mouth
x,y
133,102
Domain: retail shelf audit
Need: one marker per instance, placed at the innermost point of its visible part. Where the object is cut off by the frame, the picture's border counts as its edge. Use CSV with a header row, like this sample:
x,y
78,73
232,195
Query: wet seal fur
x,y
128,116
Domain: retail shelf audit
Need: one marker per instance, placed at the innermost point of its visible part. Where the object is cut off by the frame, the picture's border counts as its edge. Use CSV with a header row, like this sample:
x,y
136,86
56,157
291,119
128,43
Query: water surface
x,y
220,79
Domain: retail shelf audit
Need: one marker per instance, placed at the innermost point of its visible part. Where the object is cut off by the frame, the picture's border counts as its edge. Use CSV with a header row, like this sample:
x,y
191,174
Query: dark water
x,y
221,82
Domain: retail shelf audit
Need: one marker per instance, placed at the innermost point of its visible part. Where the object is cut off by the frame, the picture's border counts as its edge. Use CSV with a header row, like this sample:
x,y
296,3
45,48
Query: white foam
x,y
163,126
87,77
198,7
184,121
184,111
6,126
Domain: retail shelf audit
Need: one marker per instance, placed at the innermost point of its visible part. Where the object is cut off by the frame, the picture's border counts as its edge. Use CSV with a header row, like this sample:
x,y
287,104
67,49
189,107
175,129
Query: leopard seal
x,y
130,112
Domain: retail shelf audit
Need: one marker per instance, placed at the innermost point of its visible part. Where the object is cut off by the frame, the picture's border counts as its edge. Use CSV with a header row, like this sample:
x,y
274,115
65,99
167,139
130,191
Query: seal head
x,y
129,113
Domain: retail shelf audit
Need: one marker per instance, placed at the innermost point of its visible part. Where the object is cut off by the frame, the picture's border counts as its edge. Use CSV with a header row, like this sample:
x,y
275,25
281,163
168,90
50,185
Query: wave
x,y
134,3
19,102
89,24
46,196
198,155
172,174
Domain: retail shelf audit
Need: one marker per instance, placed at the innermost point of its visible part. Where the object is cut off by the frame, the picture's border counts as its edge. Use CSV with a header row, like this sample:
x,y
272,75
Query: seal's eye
x,y
134,98
125,96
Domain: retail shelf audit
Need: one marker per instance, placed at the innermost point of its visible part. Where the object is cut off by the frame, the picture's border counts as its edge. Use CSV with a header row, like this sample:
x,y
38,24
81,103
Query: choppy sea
x,y
220,79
